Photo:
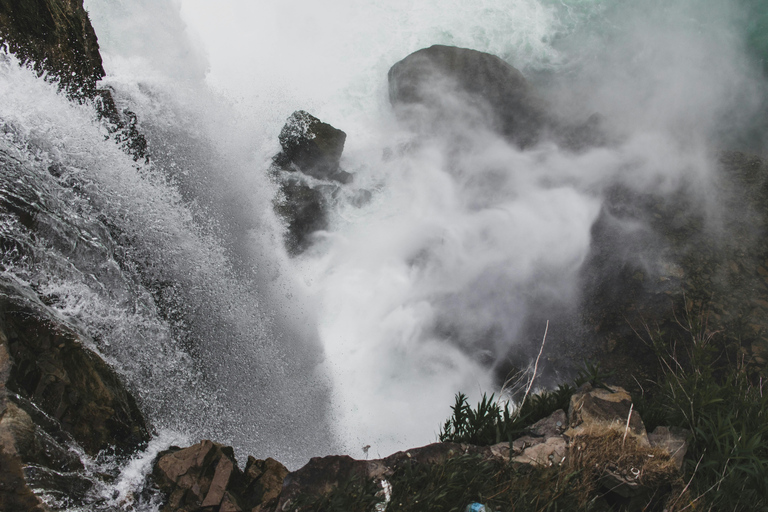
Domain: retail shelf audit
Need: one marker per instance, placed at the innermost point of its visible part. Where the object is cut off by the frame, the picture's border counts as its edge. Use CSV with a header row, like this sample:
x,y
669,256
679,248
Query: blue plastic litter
x,y
476,507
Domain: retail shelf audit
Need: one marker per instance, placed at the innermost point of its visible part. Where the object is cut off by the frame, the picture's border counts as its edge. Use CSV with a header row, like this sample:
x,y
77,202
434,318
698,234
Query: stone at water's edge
x,y
313,148
206,476
441,84
54,393
56,36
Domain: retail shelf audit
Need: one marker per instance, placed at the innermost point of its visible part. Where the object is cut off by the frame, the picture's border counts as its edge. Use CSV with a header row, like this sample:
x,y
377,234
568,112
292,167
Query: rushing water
x,y
176,268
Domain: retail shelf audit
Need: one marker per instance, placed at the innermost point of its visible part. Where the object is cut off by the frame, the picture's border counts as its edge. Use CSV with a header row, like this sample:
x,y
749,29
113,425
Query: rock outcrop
x,y
312,147
308,171
446,85
205,476
56,37
594,437
54,394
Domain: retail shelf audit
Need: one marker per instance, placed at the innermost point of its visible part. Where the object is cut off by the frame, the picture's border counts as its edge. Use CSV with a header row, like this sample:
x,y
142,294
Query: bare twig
x,y
626,429
689,481
535,367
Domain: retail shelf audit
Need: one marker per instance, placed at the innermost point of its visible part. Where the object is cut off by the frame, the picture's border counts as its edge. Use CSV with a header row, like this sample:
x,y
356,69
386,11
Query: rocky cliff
x,y
56,37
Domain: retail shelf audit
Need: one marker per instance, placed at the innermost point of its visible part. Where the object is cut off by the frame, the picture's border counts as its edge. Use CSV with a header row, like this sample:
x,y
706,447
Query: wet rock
x,y
444,86
320,476
307,171
312,147
54,393
264,481
71,384
57,38
205,476
304,209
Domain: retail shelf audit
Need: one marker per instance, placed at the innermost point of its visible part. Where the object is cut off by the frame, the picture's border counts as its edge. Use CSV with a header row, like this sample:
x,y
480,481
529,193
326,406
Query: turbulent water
x,y
176,268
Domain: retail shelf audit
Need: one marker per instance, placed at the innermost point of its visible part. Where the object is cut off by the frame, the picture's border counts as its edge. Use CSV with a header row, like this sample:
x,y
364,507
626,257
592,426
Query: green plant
x,y
706,391
491,423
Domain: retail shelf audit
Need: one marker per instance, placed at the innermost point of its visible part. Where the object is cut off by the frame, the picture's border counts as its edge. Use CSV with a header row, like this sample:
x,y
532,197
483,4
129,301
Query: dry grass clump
x,y
606,455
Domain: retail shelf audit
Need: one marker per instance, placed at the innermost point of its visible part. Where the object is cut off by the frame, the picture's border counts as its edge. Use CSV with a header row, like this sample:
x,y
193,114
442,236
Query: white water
x,y
421,292
414,296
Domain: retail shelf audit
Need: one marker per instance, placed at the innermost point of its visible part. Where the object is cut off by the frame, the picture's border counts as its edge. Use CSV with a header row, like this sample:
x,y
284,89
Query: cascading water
x,y
176,268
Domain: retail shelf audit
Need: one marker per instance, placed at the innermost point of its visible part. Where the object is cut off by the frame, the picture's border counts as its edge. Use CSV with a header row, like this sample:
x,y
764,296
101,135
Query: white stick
x,y
626,430
535,366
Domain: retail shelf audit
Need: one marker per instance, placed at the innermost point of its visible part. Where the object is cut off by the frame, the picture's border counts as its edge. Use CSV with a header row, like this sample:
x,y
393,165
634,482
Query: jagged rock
x,y
549,451
51,368
57,38
439,83
672,440
313,147
544,445
53,393
205,476
320,476
304,209
264,481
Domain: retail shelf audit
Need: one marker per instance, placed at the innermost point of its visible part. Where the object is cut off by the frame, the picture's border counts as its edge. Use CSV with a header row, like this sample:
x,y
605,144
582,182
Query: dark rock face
x,y
312,146
427,84
54,394
205,476
311,149
56,36
52,369
304,209
689,261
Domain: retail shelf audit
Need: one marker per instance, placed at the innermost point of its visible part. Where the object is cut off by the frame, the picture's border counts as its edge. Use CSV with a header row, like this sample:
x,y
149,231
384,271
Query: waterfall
x,y
445,255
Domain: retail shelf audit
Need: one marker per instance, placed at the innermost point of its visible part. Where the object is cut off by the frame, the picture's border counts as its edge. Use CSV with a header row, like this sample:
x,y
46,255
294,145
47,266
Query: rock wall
x,y
56,37
55,394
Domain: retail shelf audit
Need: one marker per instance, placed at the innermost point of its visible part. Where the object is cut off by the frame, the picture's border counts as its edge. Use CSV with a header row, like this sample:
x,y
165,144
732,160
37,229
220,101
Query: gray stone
x,y
445,86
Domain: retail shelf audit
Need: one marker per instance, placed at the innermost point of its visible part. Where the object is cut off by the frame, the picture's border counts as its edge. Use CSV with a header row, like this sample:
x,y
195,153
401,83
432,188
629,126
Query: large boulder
x,y
446,85
51,368
312,147
206,476
307,171
55,394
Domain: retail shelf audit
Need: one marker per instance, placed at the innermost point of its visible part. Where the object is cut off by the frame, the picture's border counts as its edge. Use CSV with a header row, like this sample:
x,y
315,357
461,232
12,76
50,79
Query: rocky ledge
x,y
601,433
55,395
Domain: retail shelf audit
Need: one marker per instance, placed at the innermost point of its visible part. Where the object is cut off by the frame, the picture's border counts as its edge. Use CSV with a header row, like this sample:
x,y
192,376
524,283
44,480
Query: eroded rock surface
x,y
205,476
312,147
54,394
56,36
308,172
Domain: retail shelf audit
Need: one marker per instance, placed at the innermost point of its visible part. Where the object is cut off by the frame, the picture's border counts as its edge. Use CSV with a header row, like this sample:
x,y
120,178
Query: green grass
x,y
703,387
